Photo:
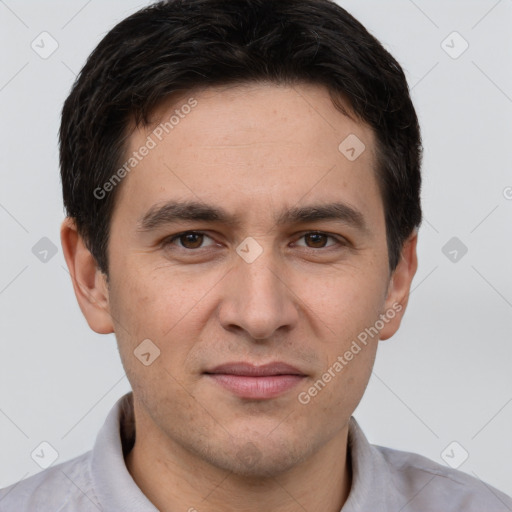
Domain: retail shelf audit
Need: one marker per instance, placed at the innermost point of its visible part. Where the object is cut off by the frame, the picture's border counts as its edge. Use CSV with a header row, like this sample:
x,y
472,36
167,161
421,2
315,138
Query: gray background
x,y
444,377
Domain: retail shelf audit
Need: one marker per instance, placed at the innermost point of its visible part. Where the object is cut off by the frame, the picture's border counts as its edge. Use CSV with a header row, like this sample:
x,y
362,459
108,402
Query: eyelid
x,y
339,241
170,239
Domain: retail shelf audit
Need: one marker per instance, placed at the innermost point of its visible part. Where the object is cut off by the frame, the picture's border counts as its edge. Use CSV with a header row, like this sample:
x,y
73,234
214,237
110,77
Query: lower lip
x,y
257,387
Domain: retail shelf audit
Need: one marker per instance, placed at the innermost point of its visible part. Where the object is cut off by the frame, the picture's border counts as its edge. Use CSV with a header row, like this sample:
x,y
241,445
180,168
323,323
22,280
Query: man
x,y
242,183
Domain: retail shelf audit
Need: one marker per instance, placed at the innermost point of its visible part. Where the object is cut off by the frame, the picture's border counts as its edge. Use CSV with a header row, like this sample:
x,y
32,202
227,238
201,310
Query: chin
x,y
257,459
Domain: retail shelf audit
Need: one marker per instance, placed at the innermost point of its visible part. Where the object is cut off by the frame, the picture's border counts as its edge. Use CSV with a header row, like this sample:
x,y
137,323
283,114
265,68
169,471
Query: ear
x,y
399,287
89,282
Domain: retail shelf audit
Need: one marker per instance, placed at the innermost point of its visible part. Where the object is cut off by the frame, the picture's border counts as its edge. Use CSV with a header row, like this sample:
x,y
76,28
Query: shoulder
x,y
65,487
429,485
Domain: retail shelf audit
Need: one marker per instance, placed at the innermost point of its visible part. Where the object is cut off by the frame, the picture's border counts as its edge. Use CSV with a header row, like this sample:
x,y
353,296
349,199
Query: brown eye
x,y
316,240
188,240
191,240
322,241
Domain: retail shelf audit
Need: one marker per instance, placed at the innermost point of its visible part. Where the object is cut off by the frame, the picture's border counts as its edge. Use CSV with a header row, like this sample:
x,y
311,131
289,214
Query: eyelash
x,y
169,241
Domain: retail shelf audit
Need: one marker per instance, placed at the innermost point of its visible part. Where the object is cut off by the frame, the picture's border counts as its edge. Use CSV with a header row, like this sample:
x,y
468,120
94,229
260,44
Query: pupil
x,y
189,240
317,239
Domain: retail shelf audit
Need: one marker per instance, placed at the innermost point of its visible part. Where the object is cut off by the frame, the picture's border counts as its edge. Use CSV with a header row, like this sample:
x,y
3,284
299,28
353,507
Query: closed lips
x,y
251,370
252,382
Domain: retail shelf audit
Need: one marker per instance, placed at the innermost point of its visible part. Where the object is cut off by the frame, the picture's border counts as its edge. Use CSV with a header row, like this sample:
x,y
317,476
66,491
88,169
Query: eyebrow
x,y
175,211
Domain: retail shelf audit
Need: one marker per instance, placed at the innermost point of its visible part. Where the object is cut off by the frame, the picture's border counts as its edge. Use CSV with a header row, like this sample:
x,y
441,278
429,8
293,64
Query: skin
x,y
253,150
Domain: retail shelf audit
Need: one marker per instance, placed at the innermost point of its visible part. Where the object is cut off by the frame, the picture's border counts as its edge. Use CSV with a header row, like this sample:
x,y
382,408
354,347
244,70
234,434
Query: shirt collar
x,y
115,487
372,486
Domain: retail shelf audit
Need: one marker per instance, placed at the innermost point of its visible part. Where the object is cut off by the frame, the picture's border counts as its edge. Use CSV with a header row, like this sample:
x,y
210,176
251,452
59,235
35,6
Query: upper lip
x,y
252,370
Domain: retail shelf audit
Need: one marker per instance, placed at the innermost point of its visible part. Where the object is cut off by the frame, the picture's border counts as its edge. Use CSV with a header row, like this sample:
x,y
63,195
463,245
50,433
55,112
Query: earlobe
x,y
400,286
89,282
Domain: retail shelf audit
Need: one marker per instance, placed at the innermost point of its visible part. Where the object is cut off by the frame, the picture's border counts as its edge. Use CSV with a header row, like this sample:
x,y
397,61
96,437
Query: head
x,y
282,134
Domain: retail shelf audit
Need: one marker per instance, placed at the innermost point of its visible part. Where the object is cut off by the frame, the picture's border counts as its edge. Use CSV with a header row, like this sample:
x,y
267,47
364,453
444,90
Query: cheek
x,y
169,308
154,302
146,308
344,301
345,306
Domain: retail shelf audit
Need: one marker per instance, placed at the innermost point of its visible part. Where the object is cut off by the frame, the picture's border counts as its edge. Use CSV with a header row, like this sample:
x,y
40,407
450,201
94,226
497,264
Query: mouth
x,y
246,380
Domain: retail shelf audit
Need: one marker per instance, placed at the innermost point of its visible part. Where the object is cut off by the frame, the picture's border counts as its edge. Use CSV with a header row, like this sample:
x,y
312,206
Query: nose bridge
x,y
258,300
261,275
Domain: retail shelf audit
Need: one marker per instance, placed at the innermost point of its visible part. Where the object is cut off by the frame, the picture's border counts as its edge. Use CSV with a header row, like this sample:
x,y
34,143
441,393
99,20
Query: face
x,y
260,300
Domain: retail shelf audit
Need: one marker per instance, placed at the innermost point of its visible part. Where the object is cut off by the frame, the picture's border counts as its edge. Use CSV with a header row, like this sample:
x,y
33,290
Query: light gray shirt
x,y
383,480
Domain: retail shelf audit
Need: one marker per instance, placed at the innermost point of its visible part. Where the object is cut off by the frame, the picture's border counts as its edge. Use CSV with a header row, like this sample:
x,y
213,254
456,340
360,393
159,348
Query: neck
x,y
174,479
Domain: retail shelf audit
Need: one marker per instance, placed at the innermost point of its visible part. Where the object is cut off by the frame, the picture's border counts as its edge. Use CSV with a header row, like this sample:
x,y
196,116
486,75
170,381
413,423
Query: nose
x,y
259,298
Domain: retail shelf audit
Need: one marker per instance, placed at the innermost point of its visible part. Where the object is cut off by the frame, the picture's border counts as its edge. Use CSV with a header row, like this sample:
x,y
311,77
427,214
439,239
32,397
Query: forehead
x,y
255,144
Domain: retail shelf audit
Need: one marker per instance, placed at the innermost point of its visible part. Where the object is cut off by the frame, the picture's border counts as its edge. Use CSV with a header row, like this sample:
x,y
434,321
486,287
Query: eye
x,y
188,240
318,239
191,240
